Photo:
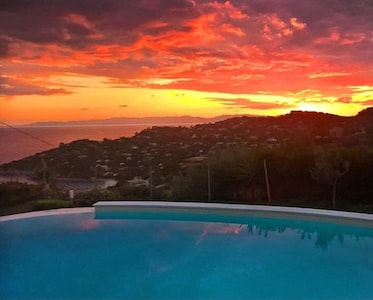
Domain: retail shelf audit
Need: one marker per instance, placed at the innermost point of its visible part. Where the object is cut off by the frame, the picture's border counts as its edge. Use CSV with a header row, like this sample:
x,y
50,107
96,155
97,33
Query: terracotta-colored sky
x,y
94,59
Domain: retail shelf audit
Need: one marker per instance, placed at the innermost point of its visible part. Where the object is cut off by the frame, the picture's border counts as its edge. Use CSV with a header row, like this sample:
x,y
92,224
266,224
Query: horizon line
x,y
62,123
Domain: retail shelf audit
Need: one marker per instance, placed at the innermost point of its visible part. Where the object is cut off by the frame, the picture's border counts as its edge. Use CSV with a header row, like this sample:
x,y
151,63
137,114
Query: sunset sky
x,y
96,59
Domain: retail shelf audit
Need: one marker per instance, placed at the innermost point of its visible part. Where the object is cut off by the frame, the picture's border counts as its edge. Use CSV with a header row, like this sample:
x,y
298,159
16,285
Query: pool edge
x,y
353,218
51,212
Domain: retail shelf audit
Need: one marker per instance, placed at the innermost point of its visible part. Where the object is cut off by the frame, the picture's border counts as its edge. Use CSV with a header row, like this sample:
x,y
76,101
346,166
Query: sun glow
x,y
341,109
317,107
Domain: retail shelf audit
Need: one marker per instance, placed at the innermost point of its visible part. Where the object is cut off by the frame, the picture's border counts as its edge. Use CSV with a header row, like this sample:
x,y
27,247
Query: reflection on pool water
x,y
75,256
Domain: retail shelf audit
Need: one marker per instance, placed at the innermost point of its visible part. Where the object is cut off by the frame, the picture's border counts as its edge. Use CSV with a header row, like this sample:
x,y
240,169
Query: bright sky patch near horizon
x,y
94,59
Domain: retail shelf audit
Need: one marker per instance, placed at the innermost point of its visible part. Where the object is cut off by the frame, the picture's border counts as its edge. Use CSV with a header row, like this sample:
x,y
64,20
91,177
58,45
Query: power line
x,y
28,134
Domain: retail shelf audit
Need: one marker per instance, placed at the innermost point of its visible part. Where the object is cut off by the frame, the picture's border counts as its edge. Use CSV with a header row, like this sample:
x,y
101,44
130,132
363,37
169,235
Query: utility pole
x,y
208,181
45,178
267,181
96,174
44,164
150,182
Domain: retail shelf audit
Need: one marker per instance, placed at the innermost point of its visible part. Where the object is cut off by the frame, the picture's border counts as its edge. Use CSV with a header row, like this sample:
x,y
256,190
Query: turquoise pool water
x,y
75,256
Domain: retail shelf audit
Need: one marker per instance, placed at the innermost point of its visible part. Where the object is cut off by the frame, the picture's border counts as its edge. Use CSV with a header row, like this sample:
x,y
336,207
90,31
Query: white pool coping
x,y
52,212
208,208
236,210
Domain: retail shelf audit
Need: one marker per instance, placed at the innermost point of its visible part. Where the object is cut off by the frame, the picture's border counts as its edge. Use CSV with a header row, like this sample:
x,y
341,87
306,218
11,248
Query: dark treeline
x,y
301,176
309,176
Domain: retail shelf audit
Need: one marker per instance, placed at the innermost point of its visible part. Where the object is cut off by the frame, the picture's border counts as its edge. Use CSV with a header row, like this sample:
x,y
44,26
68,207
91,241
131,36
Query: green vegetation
x,y
298,176
313,160
45,204
329,168
15,193
17,197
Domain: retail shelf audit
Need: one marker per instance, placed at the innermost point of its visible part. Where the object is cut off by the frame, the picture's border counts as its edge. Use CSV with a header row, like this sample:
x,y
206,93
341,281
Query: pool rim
x,y
270,211
45,213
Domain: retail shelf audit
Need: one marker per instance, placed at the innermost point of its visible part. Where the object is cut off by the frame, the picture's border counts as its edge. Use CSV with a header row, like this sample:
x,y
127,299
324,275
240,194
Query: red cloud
x,y
368,102
344,100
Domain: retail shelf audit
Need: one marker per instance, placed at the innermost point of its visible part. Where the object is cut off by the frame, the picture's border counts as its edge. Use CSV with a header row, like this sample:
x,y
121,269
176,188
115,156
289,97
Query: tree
x,y
13,193
191,183
329,167
232,173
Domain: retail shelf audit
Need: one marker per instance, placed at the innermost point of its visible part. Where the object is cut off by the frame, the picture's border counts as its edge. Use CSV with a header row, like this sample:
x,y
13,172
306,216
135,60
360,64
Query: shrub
x,y
13,193
51,204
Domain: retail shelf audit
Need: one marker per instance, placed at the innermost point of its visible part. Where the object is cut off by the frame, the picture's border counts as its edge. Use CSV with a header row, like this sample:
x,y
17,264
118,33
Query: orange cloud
x,y
329,74
296,24
231,29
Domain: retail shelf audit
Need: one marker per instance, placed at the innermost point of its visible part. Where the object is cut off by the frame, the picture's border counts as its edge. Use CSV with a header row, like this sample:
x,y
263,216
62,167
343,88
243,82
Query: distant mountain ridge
x,y
154,120
136,121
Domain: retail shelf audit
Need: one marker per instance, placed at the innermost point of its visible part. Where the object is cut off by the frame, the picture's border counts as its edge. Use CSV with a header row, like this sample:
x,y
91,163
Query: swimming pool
x,y
77,256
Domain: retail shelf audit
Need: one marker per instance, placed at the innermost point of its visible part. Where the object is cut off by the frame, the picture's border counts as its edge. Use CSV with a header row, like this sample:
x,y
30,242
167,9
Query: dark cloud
x,y
4,47
116,20
317,12
22,90
123,106
12,87
120,69
79,23
338,29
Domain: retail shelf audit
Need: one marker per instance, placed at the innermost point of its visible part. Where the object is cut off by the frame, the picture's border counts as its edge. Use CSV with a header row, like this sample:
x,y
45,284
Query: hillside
x,y
167,147
306,154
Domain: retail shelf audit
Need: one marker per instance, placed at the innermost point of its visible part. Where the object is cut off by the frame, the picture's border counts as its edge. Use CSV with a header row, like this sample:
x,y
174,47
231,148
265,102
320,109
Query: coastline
x,y
17,146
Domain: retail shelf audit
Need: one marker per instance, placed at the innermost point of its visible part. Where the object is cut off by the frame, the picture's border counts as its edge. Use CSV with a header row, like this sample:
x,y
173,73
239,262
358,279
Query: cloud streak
x,y
13,87
249,104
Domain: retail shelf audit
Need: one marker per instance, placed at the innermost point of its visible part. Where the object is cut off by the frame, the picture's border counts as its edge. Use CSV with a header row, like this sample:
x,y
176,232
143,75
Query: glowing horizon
x,y
80,60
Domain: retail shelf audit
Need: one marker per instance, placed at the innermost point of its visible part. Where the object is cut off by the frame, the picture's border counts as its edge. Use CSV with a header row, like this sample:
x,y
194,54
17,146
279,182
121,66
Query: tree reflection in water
x,y
322,233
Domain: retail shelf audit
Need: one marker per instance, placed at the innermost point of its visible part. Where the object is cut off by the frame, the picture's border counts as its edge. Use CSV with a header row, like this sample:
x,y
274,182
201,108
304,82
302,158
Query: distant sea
x,y
15,145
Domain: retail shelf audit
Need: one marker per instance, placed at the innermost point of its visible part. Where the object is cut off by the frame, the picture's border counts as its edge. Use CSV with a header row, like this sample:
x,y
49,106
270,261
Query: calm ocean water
x,y
15,145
